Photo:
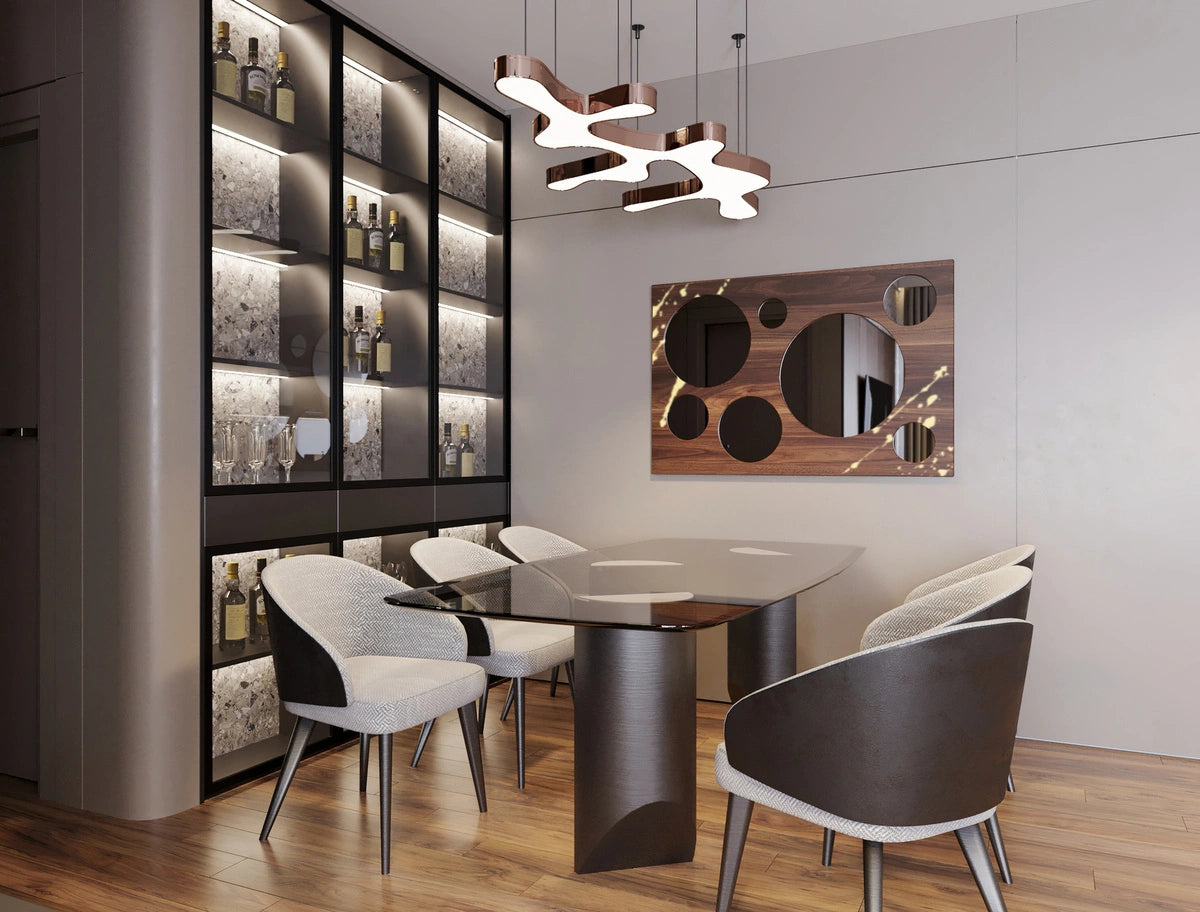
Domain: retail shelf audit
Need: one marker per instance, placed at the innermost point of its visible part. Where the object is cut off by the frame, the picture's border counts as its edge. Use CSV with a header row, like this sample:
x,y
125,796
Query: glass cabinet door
x,y
270,292
384,260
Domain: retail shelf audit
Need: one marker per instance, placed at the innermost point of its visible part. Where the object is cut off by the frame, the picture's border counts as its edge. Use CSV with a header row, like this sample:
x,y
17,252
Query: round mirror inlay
x,y
842,375
914,442
772,312
909,300
707,341
750,429
687,417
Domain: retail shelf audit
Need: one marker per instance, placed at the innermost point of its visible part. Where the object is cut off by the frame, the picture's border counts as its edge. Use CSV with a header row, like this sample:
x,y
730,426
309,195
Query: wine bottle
x,y
466,452
381,349
354,232
225,68
374,238
257,606
233,611
285,92
395,242
360,344
448,462
254,80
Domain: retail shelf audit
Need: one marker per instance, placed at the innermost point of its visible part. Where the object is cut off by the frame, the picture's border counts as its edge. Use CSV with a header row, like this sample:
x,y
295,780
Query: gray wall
x,y
1051,156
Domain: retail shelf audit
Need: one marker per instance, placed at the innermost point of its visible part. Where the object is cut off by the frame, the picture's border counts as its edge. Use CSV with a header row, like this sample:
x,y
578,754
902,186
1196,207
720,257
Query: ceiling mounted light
x,y
569,119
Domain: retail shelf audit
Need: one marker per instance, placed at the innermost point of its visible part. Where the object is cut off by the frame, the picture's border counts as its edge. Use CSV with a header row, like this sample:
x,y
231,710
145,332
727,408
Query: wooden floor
x,y
1086,830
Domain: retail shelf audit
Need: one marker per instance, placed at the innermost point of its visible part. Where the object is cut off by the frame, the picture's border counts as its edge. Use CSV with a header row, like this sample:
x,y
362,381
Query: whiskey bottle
x,y
254,80
284,92
233,614
360,344
354,232
381,349
225,68
395,242
257,606
448,461
466,452
374,238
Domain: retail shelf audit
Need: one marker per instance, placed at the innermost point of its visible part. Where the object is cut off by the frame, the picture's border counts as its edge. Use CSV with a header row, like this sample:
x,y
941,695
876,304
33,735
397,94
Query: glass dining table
x,y
635,608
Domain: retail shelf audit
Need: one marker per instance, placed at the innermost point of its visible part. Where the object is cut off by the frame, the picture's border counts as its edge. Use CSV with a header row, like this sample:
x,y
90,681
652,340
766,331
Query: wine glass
x,y
225,450
256,456
286,443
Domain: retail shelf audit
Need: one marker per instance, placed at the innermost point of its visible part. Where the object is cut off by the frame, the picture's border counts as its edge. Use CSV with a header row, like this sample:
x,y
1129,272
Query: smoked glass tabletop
x,y
667,584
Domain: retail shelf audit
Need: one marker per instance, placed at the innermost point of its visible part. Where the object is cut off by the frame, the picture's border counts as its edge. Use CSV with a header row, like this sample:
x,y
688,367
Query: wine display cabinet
x,y
336,356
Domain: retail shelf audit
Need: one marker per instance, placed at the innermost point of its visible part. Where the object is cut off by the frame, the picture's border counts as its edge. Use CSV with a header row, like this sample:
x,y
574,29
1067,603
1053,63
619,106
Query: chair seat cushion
x,y
740,784
524,648
393,693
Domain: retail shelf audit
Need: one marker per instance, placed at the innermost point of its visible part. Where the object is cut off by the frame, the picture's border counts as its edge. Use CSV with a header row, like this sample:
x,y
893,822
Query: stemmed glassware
x,y
398,569
256,458
286,443
225,450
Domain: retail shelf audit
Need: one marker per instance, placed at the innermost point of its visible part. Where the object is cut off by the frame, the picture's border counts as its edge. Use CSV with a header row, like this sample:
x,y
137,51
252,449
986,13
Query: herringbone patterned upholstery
x,y
530,543
1006,558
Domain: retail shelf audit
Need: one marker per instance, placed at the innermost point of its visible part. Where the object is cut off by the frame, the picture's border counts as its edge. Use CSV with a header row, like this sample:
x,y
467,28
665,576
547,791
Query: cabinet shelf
x,y
239,241
375,175
235,655
230,116
236,365
380,279
459,300
469,214
471,392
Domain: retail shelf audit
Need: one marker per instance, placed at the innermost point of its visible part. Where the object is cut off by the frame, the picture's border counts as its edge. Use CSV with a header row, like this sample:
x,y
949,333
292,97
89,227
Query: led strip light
x,y
450,118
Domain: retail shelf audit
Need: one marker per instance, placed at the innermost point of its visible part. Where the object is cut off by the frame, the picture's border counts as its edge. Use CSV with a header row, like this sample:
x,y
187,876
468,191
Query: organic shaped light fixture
x,y
569,119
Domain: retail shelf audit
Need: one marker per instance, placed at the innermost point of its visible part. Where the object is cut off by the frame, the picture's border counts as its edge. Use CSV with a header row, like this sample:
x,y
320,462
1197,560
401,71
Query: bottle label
x,y
375,246
354,244
451,456
256,85
285,105
362,344
468,465
396,256
235,621
225,78
383,357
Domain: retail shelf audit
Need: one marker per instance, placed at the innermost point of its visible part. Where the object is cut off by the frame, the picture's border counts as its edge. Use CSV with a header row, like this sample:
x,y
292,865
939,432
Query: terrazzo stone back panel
x,y
475,533
245,705
362,424
245,187
235,396
462,164
462,260
362,124
470,410
367,551
245,310
462,349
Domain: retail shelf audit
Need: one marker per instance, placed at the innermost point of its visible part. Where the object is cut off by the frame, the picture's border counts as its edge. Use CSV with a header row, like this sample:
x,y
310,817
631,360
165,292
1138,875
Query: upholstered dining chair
x,y
529,543
515,649
1002,593
1020,556
893,744
346,658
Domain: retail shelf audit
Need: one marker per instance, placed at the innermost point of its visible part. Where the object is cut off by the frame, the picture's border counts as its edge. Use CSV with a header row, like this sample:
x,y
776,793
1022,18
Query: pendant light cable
x,y
746,30
526,28
696,78
738,38
555,37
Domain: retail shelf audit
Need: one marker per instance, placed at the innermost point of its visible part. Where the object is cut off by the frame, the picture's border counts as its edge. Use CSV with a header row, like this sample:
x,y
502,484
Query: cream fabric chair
x,y
345,657
893,744
516,649
1022,556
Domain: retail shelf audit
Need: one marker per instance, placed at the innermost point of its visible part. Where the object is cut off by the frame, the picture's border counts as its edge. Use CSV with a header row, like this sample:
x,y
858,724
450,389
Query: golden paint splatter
x,y
938,374
662,422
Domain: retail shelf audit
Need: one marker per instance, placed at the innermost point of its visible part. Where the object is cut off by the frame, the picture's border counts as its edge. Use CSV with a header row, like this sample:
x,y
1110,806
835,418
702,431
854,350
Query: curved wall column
x,y
142,390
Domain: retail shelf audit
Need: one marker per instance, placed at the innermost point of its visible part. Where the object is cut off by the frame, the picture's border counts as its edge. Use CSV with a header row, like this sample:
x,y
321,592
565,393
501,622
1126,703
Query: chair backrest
x,y
1002,593
914,733
1021,555
452,558
324,609
529,543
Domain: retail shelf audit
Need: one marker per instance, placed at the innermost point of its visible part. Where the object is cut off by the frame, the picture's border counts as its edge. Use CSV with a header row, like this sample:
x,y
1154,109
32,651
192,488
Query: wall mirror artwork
x,y
840,372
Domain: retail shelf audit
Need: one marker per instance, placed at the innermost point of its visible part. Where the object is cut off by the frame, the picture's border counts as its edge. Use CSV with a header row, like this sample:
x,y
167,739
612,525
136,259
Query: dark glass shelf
x,y
235,655
470,214
472,391
250,367
379,278
376,174
262,128
460,300
285,251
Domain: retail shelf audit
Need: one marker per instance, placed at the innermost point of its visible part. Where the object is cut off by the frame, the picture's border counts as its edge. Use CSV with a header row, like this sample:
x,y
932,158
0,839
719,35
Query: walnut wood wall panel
x,y
925,397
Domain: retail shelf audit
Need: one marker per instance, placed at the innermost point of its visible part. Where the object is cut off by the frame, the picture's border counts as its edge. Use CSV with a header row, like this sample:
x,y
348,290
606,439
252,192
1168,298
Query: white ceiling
x,y
462,37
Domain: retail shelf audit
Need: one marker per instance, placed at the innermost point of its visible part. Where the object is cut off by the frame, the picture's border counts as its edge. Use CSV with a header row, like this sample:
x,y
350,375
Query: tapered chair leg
x,y
385,802
420,748
508,701
291,760
466,718
364,760
483,704
1011,785
571,677
519,687
737,824
971,841
997,841
872,876
827,847
553,680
